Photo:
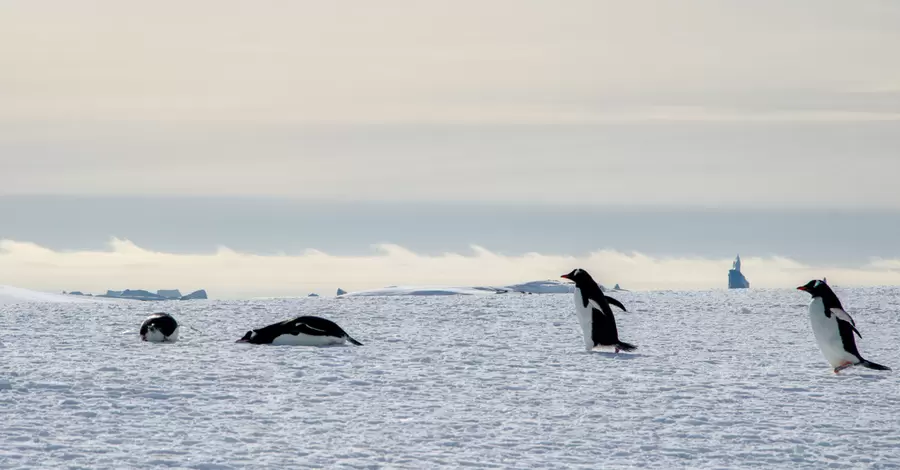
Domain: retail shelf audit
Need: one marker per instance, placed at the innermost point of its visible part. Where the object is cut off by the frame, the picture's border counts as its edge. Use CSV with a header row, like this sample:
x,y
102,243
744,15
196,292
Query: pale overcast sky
x,y
779,108
639,102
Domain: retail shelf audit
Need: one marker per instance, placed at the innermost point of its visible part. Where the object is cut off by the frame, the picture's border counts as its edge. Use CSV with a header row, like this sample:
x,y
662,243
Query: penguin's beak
x,y
566,276
803,288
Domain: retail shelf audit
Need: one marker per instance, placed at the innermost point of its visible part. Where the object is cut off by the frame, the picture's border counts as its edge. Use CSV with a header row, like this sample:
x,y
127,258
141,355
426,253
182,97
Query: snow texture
x,y
16,295
721,379
534,287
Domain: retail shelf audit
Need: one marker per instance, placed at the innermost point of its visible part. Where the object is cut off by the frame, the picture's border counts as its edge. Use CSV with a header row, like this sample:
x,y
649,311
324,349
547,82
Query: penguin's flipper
x,y
597,308
615,302
843,315
841,320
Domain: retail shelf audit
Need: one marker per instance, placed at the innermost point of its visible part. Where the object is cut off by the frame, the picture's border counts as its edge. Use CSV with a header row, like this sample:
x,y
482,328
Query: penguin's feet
x,y
842,367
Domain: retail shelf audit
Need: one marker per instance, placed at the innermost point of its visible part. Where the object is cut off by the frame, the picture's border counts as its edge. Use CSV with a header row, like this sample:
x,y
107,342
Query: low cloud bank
x,y
230,274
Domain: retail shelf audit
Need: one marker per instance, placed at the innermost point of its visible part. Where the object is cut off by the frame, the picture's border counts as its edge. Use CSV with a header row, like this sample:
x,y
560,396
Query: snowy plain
x,y
721,379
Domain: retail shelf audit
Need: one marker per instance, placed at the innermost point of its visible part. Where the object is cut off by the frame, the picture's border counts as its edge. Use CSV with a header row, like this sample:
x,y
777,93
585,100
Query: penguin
x,y
300,331
159,328
594,313
834,328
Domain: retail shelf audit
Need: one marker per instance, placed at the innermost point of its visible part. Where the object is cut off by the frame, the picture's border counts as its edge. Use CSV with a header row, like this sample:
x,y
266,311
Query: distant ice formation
x,y
736,280
140,294
551,286
340,292
16,295
312,294
422,290
173,294
196,295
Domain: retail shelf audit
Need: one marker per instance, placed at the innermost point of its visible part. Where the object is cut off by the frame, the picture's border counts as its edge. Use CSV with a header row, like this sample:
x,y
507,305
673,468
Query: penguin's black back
x,y
162,322
310,325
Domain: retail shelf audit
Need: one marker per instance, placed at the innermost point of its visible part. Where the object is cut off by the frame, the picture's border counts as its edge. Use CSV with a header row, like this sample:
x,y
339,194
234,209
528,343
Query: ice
x,y
489,381
533,287
423,291
14,295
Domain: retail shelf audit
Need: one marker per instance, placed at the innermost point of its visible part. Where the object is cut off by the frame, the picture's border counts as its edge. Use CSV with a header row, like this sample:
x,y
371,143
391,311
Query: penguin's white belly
x,y
306,340
585,319
828,336
156,336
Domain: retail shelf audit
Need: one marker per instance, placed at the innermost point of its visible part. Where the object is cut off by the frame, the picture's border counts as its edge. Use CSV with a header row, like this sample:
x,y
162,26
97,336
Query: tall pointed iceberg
x,y
736,280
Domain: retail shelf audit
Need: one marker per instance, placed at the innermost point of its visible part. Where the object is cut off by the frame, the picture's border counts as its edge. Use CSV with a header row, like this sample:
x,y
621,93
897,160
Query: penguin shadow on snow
x,y
617,356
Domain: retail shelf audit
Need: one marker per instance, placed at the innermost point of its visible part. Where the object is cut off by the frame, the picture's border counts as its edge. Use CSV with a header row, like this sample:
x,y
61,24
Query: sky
x,y
650,128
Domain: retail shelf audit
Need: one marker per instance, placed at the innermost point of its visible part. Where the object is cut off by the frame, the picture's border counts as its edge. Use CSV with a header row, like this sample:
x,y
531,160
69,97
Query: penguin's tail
x,y
625,346
353,341
872,365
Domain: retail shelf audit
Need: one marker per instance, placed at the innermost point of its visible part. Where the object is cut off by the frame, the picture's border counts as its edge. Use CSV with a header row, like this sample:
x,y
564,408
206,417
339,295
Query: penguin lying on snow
x,y
834,328
300,331
594,313
159,328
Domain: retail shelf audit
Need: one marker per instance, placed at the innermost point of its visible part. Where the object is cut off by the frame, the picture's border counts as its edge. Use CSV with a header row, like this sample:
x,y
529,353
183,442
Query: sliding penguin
x,y
300,331
834,328
159,328
594,313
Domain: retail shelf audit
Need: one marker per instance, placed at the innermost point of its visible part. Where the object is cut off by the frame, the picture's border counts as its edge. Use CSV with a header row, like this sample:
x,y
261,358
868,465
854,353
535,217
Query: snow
x,y
534,287
497,381
424,291
14,295
544,287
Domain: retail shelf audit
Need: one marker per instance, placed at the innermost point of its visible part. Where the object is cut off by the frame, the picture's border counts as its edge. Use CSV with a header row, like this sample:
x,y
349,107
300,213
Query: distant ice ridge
x,y
17,295
550,286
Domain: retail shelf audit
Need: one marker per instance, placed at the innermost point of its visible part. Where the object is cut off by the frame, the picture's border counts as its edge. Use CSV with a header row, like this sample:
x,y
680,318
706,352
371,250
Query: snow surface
x,y
14,295
422,291
534,287
721,379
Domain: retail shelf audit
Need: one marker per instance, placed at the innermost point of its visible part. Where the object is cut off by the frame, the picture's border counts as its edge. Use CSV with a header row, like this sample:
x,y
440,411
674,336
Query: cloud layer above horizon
x,y
229,274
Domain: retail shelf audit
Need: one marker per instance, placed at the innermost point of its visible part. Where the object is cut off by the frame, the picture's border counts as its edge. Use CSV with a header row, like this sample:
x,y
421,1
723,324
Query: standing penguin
x,y
159,328
834,328
594,313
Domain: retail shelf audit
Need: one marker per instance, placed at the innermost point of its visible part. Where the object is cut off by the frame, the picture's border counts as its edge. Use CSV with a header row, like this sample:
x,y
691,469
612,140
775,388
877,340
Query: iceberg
x,y
340,292
196,295
172,294
736,279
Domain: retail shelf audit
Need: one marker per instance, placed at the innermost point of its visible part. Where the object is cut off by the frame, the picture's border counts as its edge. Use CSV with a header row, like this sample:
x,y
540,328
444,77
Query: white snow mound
x,y
551,286
16,295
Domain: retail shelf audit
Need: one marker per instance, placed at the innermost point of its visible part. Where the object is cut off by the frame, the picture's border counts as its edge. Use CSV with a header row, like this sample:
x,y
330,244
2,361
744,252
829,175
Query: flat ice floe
x,y
445,382
15,295
532,287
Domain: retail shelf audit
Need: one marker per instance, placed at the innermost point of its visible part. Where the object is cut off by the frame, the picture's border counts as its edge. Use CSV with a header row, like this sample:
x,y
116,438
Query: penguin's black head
x,y
578,276
816,288
246,338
